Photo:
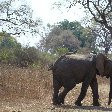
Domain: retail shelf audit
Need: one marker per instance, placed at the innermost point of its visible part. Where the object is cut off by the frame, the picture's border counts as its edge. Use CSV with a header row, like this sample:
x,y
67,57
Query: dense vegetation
x,y
98,19
58,39
13,53
69,37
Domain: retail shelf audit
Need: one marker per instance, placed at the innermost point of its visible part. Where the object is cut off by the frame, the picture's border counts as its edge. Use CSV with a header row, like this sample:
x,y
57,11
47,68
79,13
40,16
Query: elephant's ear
x,y
100,63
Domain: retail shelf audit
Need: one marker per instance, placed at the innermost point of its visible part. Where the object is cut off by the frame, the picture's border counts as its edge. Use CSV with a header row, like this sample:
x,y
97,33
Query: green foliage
x,y
61,51
75,27
6,55
7,41
46,58
11,52
68,35
26,56
59,38
8,44
83,34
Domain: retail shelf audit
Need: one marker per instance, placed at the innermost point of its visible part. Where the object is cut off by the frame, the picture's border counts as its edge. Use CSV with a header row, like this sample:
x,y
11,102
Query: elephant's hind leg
x,y
56,87
63,94
67,88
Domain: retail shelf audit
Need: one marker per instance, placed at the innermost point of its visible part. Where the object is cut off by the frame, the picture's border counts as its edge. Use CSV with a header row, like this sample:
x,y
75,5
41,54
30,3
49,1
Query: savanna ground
x,y
30,90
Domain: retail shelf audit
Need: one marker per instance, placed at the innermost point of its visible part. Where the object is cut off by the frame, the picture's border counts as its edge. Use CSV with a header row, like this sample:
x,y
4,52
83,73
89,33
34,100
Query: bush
x,y
26,56
61,51
46,58
6,56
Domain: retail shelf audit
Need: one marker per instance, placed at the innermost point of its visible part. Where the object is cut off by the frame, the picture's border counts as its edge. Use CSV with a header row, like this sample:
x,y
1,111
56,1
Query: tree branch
x,y
7,20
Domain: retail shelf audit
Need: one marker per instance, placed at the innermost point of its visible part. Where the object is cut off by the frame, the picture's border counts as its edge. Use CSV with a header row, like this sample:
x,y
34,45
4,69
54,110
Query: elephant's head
x,y
104,66
108,74
100,63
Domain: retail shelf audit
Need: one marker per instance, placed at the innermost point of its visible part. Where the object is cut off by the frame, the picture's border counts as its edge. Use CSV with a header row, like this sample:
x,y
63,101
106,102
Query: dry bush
x,y
31,83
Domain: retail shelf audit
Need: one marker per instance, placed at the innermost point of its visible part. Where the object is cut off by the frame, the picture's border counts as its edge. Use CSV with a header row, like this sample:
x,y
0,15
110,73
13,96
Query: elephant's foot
x,y
78,103
56,102
96,104
109,102
61,100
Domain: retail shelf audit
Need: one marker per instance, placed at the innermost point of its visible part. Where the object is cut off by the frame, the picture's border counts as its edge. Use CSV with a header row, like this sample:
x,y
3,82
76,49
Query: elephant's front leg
x,y
94,87
84,88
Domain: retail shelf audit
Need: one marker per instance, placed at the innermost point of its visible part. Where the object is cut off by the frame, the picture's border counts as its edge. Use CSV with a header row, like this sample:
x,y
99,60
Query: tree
x,y
101,11
11,52
17,19
8,45
58,39
7,41
89,39
83,34
103,38
68,36
75,27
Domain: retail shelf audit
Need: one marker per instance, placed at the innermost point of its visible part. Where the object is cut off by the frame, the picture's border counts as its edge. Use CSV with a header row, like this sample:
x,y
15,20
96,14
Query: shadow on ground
x,y
85,107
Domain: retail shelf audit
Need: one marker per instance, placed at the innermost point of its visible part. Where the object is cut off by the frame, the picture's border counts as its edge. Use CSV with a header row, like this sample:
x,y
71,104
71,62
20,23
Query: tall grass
x,y
31,83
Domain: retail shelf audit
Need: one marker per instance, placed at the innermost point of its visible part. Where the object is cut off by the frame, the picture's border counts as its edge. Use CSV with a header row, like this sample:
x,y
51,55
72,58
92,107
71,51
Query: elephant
x,y
108,74
72,69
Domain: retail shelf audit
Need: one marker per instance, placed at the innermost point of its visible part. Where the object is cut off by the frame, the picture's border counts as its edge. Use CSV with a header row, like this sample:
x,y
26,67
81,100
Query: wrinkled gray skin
x,y
70,70
108,74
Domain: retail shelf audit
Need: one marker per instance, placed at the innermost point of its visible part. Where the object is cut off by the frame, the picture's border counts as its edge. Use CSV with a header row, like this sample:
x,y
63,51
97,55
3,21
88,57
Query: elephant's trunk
x,y
110,93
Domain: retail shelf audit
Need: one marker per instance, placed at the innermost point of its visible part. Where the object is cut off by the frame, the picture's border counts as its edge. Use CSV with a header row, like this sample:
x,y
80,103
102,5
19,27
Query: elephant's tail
x,y
54,66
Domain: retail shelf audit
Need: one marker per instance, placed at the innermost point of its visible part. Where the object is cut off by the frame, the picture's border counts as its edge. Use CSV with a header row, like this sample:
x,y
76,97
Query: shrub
x,y
26,56
61,51
6,55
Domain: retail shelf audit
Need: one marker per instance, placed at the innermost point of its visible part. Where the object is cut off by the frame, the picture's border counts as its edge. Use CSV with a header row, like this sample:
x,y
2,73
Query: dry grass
x,y
30,90
26,83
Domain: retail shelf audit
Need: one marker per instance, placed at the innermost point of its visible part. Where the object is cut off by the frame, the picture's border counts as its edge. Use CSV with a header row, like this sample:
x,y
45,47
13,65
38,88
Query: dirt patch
x,y
45,105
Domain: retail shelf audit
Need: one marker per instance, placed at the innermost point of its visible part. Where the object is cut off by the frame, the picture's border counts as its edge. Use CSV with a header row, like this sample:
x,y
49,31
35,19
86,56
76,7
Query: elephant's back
x,y
71,63
80,56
